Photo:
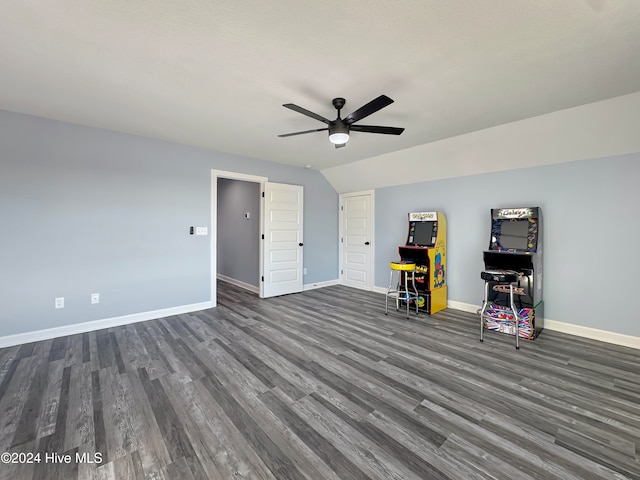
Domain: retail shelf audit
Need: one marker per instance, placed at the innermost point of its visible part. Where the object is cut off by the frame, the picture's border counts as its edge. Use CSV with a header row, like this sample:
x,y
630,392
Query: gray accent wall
x,y
85,210
590,233
238,237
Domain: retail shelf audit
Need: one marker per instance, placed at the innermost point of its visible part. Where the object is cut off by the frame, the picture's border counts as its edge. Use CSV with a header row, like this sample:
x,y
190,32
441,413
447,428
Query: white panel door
x,y
282,254
356,241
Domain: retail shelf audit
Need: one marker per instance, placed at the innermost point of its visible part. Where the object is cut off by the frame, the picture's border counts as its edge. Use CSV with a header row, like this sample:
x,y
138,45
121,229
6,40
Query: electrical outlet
x,y
95,298
59,302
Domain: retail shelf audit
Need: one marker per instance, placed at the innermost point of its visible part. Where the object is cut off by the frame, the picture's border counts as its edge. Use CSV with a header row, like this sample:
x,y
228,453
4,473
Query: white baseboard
x,y
593,333
571,329
465,307
238,283
48,333
328,283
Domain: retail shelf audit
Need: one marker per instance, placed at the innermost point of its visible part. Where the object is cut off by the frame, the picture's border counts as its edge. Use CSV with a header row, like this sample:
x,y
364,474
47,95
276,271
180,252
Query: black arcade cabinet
x,y
513,274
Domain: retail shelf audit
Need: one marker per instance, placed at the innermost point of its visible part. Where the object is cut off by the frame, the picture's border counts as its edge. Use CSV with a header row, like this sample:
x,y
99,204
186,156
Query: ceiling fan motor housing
x,y
338,103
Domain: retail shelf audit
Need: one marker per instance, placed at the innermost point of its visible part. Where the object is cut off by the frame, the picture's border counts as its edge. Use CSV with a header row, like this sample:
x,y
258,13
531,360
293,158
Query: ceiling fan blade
x,y
340,145
300,133
372,107
376,129
306,112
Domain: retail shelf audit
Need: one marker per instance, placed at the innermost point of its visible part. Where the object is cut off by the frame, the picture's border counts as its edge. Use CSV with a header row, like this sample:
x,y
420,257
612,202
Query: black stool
x,y
500,278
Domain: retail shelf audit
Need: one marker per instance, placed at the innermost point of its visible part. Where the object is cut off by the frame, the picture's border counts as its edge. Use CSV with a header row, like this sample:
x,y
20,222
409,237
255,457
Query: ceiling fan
x,y
340,127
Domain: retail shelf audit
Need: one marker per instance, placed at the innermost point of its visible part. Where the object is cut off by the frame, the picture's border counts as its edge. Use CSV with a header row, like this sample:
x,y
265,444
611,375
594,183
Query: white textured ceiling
x,y
215,73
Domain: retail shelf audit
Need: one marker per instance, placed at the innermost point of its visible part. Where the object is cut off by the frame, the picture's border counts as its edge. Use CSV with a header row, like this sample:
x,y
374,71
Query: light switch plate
x,y
202,231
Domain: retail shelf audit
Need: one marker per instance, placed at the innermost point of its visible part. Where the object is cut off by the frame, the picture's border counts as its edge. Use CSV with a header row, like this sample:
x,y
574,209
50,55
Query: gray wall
x,y
238,237
590,234
86,210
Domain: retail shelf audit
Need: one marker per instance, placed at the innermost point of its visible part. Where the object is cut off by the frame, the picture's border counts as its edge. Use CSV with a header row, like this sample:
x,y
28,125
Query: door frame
x,y
215,174
341,198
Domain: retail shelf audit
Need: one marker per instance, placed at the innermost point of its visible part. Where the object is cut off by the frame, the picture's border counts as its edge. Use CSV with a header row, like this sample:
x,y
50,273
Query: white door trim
x,y
215,174
342,196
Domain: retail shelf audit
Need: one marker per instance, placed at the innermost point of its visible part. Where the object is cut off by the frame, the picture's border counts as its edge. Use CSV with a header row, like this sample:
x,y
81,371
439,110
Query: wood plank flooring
x,y
318,385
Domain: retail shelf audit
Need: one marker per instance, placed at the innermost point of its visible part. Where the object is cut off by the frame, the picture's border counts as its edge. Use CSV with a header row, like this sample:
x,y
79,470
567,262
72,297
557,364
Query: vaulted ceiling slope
x,y
215,74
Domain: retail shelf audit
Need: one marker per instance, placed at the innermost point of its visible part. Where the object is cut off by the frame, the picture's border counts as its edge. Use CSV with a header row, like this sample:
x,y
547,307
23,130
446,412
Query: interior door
x,y
356,240
283,242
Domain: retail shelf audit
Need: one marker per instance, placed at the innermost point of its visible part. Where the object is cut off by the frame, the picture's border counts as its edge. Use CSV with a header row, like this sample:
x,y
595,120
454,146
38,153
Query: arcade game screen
x,y
423,234
513,234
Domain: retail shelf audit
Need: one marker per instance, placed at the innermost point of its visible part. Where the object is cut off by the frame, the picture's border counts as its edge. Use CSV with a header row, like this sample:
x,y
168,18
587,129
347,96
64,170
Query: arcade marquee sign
x,y
422,216
514,213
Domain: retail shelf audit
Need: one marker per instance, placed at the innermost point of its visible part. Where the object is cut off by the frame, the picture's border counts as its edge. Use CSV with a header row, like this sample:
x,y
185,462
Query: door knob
x,y
300,244
366,243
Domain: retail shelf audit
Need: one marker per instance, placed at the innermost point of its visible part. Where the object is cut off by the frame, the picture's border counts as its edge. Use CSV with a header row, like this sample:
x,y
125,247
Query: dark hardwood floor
x,y
317,385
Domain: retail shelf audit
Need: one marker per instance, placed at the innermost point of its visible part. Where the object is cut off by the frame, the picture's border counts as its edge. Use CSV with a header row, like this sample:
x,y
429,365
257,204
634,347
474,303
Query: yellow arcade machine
x,y
427,247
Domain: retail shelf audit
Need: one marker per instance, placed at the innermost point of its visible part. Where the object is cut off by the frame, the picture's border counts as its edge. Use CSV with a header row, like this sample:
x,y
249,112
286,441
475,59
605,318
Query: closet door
x,y
356,240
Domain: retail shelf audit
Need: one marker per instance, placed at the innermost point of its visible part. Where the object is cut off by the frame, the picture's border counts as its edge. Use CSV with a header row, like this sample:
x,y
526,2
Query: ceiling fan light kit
x,y
339,134
340,127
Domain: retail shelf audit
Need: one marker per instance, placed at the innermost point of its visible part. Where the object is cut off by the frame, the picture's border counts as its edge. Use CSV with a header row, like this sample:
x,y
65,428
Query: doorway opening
x,y
215,200
280,234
